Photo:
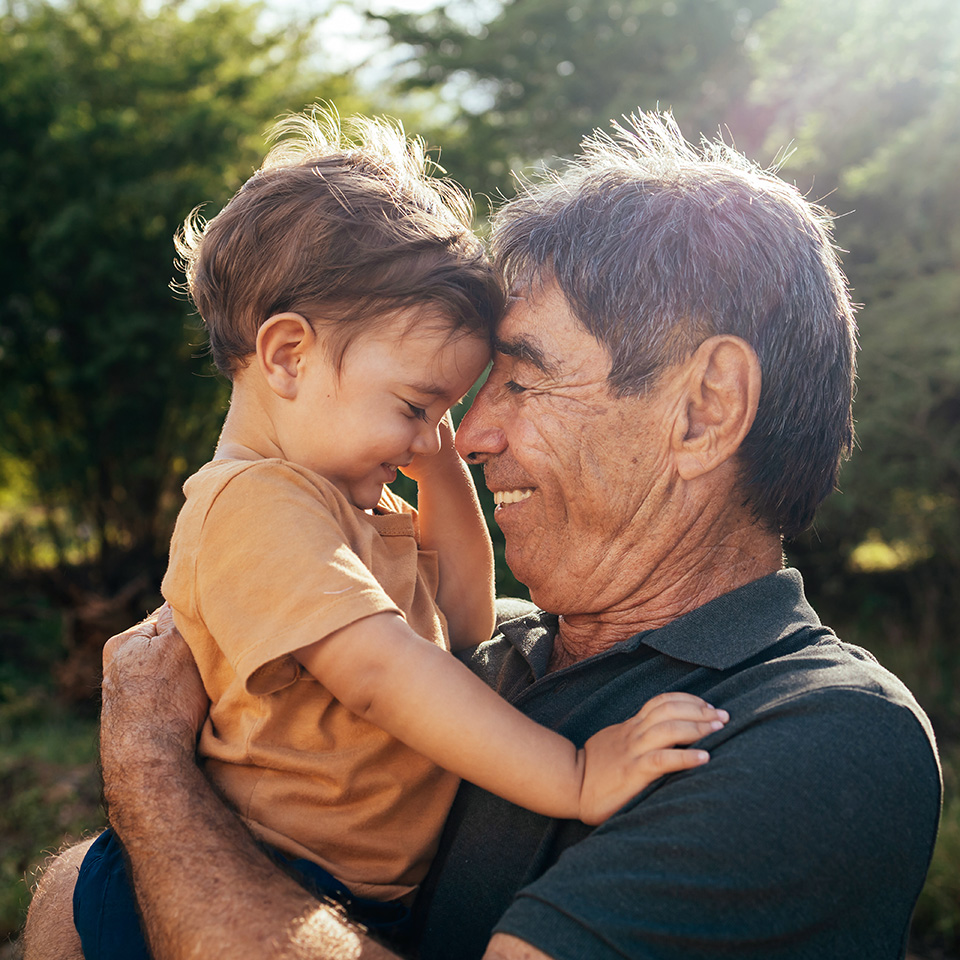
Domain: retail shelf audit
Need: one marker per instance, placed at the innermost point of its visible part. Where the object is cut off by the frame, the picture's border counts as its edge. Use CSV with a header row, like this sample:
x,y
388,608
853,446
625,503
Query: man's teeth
x,y
510,496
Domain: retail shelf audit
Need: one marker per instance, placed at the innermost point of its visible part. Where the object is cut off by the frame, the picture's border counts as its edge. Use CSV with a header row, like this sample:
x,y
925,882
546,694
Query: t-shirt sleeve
x,y
780,846
274,574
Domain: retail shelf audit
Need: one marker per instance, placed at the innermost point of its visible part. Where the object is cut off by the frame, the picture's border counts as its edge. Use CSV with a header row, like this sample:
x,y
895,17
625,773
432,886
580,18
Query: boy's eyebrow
x,y
527,350
429,389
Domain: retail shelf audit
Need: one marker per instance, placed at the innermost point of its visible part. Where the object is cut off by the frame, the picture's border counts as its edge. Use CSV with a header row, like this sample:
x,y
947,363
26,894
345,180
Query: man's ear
x,y
282,342
722,393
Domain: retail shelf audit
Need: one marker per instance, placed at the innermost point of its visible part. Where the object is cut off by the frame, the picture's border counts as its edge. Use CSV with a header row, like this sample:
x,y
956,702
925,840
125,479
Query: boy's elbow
x,y
367,690
361,702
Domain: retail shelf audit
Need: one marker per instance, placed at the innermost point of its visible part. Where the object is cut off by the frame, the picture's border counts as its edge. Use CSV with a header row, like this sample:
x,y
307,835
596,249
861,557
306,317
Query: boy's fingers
x,y
673,732
676,709
673,699
662,762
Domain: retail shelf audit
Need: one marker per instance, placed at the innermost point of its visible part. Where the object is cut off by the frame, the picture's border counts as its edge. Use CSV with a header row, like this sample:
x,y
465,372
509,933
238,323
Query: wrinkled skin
x,y
616,534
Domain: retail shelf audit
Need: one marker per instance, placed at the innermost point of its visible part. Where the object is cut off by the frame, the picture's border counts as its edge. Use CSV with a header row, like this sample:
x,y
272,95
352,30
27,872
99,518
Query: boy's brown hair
x,y
343,230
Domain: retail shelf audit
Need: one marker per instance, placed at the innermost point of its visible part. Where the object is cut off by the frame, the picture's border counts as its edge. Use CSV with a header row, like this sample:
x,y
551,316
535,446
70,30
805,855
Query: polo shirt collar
x,y
737,625
719,635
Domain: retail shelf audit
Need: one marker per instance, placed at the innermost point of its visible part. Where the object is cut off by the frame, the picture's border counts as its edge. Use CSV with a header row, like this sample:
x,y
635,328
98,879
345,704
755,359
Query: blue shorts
x,y
108,922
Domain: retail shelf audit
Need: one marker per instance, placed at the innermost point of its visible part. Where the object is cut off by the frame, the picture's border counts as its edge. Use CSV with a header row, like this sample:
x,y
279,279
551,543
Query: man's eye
x,y
418,412
514,387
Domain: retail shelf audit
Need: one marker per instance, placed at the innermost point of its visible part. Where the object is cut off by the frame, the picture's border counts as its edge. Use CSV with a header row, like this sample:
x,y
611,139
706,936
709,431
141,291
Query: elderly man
x,y
670,397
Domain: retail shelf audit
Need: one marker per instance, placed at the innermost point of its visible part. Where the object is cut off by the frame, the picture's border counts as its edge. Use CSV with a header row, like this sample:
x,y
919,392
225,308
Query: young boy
x,y
351,306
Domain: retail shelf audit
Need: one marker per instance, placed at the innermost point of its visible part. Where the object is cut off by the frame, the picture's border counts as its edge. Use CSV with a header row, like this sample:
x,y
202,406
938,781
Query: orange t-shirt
x,y
268,557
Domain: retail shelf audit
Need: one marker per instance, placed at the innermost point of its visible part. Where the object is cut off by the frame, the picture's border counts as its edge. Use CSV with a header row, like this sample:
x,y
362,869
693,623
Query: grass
x,y
49,777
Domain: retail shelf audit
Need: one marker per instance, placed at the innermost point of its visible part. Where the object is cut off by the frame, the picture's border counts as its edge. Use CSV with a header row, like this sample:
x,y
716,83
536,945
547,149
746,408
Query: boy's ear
x,y
282,343
722,393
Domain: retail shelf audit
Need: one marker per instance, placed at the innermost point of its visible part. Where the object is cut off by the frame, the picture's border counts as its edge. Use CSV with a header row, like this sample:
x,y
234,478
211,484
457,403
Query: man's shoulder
x,y
826,716
818,664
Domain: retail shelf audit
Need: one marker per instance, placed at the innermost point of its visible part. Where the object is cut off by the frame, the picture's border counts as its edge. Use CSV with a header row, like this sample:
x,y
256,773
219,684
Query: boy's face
x,y
384,408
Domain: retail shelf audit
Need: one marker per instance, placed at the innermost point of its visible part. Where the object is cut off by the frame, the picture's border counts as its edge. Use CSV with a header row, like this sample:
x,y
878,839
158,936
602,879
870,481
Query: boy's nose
x,y
427,441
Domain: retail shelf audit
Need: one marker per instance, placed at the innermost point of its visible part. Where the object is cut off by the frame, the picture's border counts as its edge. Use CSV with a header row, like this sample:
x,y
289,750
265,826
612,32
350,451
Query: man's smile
x,y
510,496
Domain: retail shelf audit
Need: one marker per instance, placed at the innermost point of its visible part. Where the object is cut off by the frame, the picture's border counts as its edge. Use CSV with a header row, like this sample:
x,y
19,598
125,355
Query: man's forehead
x,y
532,329
527,348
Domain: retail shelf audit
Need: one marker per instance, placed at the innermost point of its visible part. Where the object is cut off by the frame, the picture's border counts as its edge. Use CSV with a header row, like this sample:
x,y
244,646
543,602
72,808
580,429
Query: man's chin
x,y
524,570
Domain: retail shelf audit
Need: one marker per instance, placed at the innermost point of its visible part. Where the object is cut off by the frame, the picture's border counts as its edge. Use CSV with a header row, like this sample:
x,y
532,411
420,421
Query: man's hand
x,y
203,885
153,699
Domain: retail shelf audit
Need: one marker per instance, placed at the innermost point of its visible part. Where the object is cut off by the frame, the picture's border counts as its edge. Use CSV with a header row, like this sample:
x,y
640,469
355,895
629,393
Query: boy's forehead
x,y
424,319
444,365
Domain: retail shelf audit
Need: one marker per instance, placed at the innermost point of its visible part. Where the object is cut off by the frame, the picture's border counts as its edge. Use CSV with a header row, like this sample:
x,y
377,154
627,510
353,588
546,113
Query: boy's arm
x,y
384,672
452,523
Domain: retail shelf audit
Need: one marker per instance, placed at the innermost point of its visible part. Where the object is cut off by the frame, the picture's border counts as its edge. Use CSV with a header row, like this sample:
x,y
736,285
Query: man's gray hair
x,y
658,245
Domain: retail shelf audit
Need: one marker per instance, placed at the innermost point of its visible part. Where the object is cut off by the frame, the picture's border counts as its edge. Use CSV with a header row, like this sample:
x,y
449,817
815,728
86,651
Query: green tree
x,y
116,119
867,91
531,80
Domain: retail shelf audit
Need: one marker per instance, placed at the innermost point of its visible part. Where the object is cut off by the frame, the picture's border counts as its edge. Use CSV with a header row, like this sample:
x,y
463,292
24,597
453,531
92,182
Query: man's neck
x,y
676,587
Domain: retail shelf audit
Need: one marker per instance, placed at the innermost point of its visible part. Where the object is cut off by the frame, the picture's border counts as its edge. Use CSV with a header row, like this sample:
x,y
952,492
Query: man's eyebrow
x,y
529,351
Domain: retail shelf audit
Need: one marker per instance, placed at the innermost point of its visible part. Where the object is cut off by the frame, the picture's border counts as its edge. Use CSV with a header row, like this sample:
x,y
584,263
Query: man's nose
x,y
479,435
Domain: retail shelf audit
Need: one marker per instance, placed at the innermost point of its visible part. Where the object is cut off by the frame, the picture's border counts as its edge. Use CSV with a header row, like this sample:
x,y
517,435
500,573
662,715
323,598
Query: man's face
x,y
579,475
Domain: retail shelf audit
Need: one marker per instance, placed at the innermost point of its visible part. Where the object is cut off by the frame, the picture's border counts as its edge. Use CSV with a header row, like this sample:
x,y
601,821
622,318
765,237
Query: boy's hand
x,y
423,467
623,759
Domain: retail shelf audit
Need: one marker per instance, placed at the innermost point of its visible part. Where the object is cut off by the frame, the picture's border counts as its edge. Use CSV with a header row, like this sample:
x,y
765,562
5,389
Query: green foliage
x,y
115,120
867,92
531,80
905,477
48,772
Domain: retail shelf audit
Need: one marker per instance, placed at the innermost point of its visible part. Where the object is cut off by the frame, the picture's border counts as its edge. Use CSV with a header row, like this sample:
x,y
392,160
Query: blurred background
x,y
117,117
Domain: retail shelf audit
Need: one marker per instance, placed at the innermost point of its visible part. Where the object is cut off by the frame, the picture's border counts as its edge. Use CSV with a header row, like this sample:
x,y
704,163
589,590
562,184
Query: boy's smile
x,y
356,427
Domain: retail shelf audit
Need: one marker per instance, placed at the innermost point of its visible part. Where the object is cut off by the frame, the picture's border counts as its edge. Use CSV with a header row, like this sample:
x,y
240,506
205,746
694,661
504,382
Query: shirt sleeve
x,y
808,834
275,574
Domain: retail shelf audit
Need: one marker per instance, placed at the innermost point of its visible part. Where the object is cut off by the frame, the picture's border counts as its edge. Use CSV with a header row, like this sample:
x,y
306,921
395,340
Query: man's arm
x,y
203,886
836,791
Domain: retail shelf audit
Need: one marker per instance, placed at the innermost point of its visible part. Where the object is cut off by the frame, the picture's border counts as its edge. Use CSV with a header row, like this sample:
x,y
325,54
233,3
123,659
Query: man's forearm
x,y
194,868
204,887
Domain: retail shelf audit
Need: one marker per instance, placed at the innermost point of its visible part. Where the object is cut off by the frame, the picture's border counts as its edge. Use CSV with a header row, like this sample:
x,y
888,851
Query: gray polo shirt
x,y
807,835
